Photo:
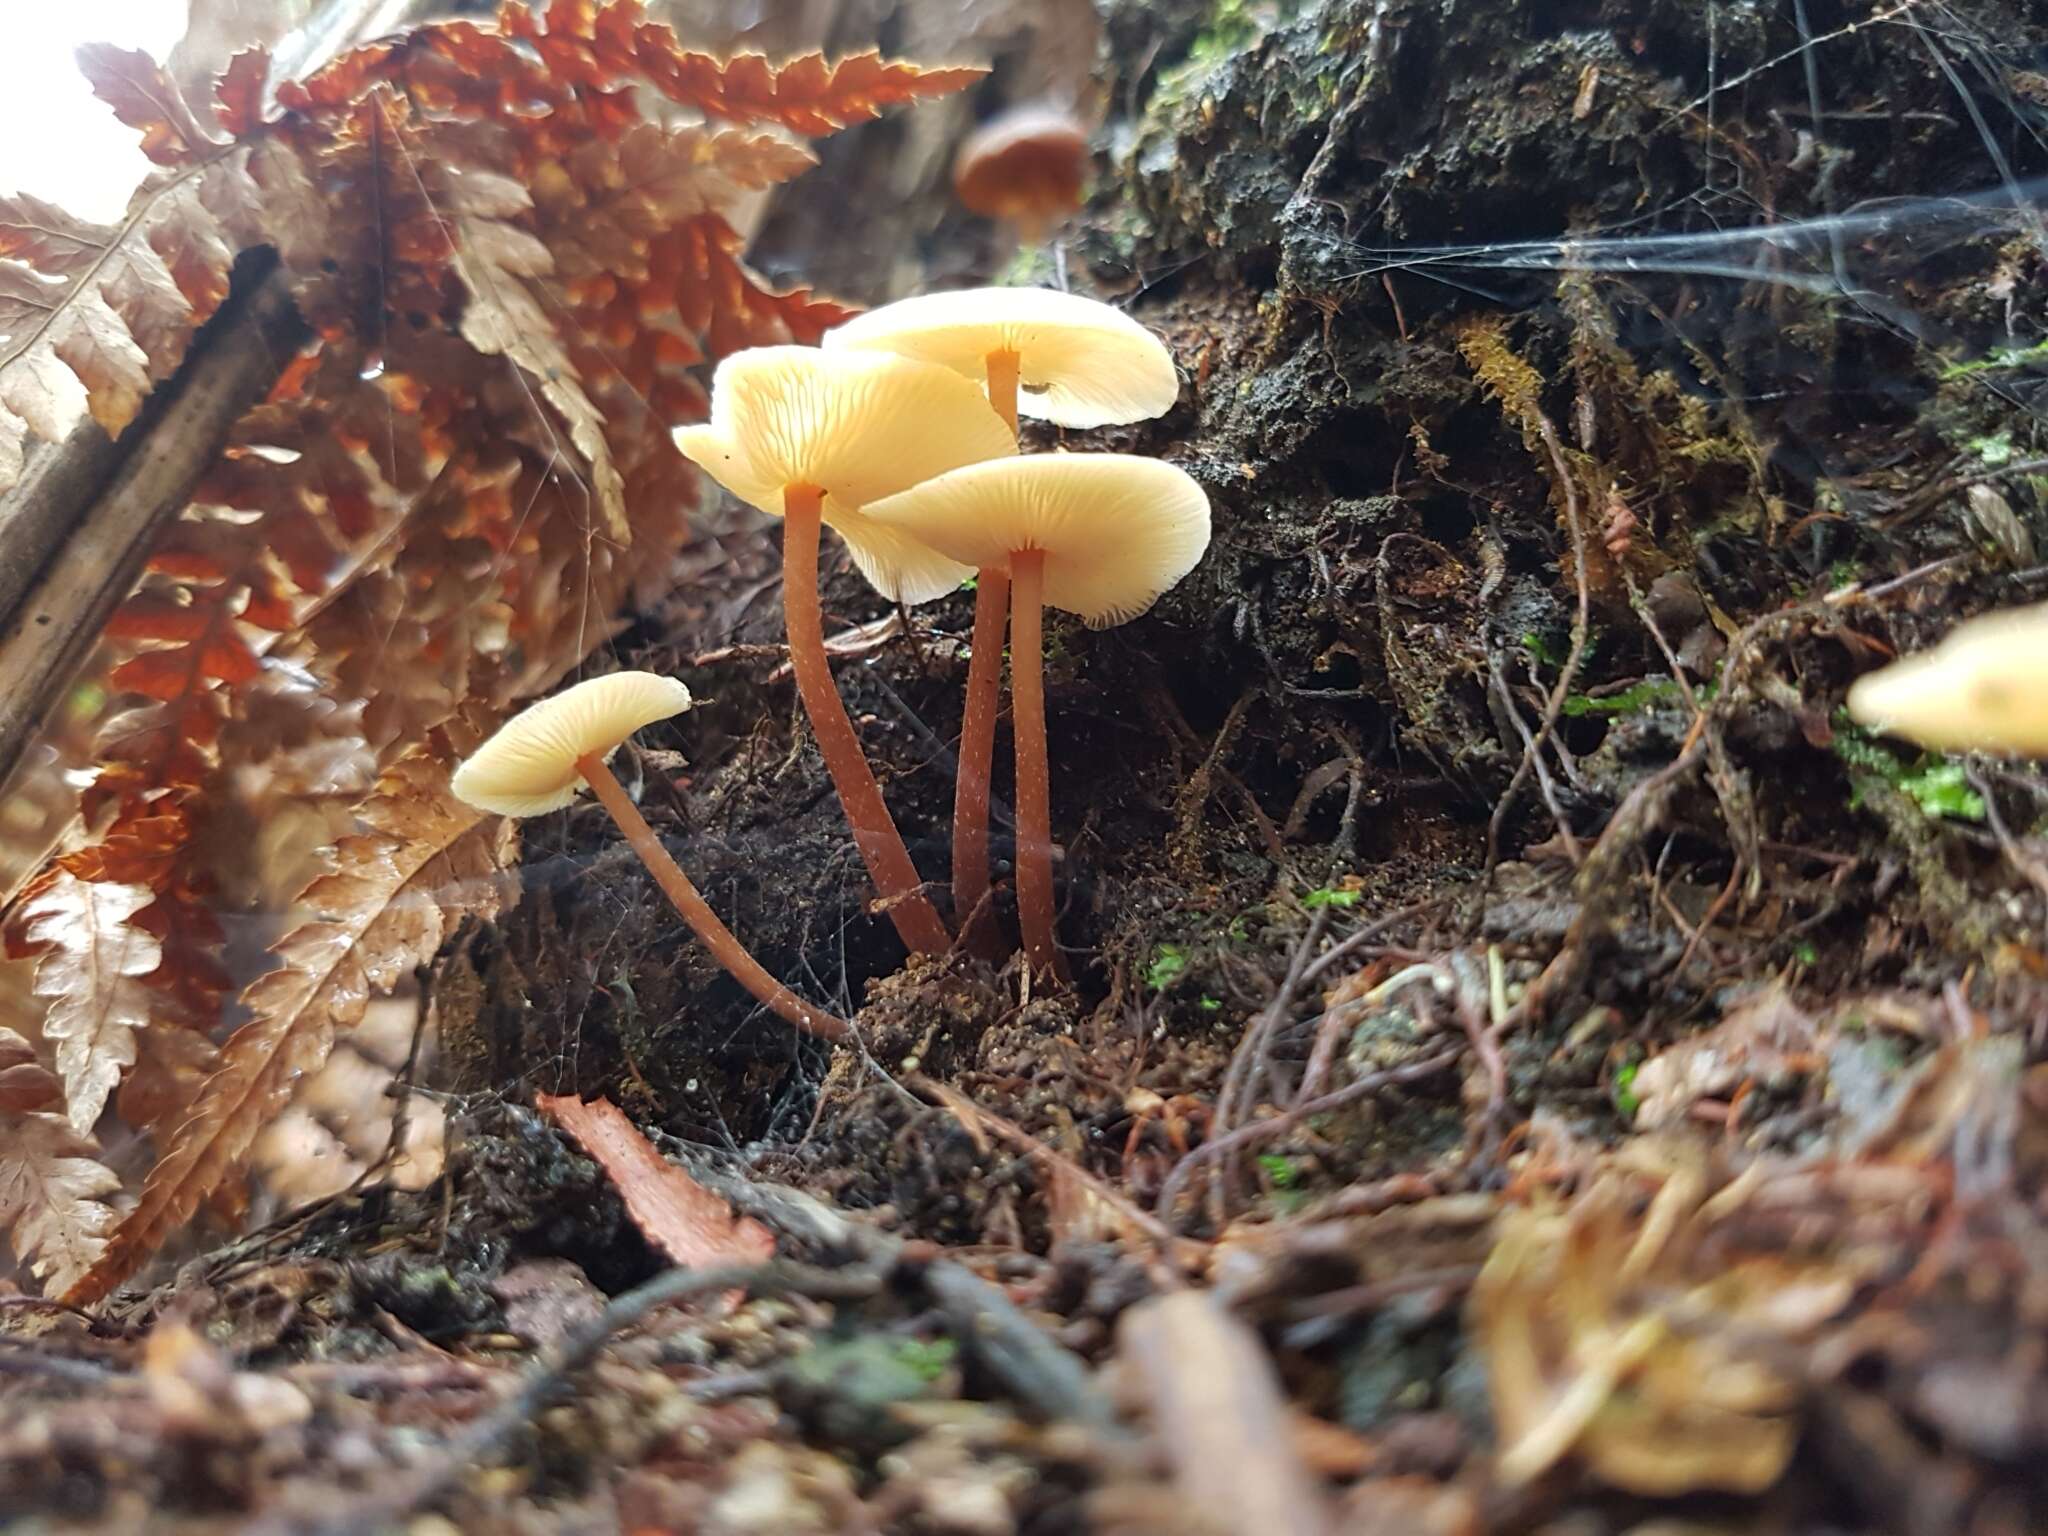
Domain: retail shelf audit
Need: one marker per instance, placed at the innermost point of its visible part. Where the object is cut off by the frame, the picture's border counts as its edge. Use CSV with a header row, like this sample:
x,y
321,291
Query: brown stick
x,y
1002,386
874,830
75,533
725,947
977,757
1034,773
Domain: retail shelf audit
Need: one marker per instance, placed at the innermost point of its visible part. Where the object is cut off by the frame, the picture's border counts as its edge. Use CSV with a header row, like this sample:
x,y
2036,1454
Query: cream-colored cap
x,y
858,426
1983,688
1080,362
529,766
1116,530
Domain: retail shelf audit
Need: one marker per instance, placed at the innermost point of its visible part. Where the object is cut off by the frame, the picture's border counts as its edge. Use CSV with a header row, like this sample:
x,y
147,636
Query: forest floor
x,y
1531,1064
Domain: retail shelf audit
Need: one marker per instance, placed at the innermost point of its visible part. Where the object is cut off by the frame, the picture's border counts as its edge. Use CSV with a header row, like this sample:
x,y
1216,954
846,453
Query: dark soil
x,y
1511,329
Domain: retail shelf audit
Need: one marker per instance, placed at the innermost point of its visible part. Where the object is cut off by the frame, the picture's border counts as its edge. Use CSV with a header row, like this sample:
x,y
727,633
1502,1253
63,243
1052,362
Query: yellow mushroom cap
x,y
858,426
1983,688
529,766
1117,530
1080,362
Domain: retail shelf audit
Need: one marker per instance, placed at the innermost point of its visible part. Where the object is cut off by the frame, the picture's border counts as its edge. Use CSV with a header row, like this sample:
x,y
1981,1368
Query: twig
x,y
1351,943
1048,1378
1266,1130
1221,1417
482,1442
973,1115
1247,1063
2035,871
76,1373
1582,621
1484,1034
101,534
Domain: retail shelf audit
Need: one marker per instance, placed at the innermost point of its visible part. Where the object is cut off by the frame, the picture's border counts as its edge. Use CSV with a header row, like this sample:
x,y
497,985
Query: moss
x,y
1934,783
1651,691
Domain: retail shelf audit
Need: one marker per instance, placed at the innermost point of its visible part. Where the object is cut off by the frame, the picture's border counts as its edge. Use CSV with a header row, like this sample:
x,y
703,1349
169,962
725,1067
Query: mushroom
x,y
811,437
1024,167
1080,363
1052,356
1101,535
539,760
1983,688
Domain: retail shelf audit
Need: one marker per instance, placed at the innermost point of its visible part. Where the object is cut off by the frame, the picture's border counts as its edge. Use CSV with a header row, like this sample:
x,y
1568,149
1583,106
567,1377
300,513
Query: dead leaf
x,y
675,1213
93,317
146,99
1758,1038
89,974
504,319
52,1197
428,861
1635,1357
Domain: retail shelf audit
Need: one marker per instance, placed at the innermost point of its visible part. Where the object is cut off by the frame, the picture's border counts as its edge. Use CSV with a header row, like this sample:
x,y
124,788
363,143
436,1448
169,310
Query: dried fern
x,y
512,278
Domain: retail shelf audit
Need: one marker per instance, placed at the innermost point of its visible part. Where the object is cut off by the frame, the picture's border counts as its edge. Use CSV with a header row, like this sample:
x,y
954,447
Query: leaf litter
x,y
1689,1180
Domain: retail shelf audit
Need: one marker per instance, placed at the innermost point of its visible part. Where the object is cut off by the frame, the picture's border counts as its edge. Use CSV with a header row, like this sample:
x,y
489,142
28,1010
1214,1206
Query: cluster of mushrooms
x,y
900,432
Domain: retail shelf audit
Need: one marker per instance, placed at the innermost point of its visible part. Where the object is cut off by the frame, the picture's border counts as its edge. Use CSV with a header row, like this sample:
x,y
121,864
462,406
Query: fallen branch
x,y
75,533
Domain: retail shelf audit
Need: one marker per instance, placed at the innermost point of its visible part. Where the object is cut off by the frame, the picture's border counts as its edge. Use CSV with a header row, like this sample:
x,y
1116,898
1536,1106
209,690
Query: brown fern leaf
x,y
504,318
725,303
51,1179
147,847
26,1085
619,196
92,316
578,58
148,100
384,910
238,96
806,95
591,44
127,298
89,971
513,279
52,1197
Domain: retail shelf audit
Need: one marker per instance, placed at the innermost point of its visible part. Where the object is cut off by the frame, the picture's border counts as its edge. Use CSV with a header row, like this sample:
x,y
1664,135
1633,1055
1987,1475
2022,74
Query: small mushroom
x,y
539,760
1101,535
1982,689
1080,363
1052,356
811,437
1025,167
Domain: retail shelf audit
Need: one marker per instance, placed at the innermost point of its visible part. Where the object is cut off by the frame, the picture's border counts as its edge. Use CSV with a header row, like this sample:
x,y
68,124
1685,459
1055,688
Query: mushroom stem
x,y
1003,366
725,947
874,830
1034,774
977,754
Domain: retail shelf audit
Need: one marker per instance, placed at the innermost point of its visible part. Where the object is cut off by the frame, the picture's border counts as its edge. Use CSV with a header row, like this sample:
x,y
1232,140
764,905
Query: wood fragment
x,y
673,1211
1220,1416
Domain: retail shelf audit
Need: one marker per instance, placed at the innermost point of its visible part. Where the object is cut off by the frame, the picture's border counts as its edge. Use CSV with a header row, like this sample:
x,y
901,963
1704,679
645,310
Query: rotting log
x,y
74,533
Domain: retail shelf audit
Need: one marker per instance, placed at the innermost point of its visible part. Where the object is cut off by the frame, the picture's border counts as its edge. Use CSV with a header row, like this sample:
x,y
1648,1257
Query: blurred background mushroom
x,y
1025,167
